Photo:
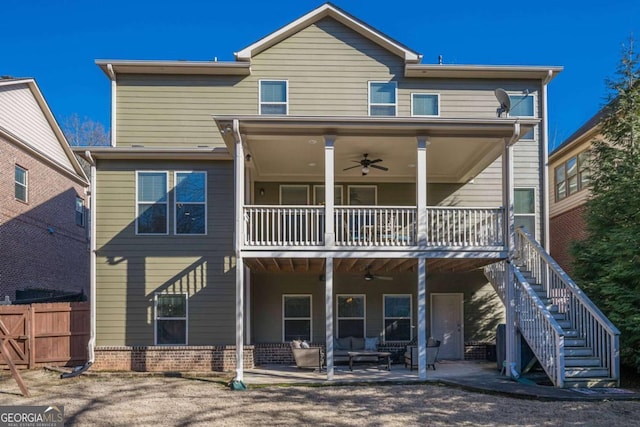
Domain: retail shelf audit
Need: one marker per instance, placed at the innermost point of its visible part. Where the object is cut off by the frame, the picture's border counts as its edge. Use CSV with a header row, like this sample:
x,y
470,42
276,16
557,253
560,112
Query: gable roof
x,y
330,10
28,122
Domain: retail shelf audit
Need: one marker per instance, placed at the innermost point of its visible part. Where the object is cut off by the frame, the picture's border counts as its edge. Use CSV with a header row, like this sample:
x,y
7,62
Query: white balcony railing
x,y
372,226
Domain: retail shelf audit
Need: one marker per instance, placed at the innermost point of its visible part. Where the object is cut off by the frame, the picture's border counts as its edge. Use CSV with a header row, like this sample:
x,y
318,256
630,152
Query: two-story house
x,y
325,184
43,197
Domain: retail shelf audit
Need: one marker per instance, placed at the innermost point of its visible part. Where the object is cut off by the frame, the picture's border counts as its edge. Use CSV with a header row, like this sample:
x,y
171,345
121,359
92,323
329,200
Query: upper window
x,y
523,106
524,207
318,195
572,176
171,319
296,315
382,98
363,195
425,104
274,97
191,202
397,317
79,212
21,184
294,194
351,316
151,203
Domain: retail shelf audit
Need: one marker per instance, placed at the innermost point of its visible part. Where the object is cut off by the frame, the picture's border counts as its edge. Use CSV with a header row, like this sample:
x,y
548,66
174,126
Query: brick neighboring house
x,y
43,193
569,191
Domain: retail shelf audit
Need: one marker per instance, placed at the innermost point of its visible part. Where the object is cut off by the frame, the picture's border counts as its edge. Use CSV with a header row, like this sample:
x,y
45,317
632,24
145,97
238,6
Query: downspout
x,y
114,87
77,370
545,161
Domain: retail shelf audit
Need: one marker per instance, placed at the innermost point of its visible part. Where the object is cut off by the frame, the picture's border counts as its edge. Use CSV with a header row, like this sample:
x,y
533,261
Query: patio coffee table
x,y
384,358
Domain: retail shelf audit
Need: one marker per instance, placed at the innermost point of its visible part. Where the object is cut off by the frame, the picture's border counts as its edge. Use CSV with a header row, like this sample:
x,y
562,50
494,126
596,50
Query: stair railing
x,y
585,317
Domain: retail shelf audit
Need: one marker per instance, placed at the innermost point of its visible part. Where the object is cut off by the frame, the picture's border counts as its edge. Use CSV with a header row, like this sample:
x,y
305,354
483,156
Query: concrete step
x,y
590,382
578,351
581,361
585,372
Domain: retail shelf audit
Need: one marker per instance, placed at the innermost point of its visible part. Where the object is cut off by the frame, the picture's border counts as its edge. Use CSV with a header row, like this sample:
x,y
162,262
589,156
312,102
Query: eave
x,y
482,71
142,153
211,68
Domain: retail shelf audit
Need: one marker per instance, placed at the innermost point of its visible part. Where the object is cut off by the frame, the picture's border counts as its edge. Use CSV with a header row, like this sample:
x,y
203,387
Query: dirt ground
x,y
103,400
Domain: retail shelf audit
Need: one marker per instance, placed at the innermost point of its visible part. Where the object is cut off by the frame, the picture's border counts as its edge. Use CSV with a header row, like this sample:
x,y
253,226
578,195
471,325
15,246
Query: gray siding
x,y
131,269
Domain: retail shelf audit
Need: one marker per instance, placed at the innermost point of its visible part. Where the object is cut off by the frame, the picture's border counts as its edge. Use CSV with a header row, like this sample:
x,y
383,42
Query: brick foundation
x,y
564,229
167,359
478,350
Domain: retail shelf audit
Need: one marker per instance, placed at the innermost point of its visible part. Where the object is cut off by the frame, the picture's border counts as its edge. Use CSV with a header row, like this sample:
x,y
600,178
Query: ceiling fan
x,y
368,276
365,164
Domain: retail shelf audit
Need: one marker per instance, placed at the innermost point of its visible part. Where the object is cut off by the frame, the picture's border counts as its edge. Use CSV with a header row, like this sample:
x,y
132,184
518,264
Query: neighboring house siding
x,y
42,247
21,115
131,268
565,229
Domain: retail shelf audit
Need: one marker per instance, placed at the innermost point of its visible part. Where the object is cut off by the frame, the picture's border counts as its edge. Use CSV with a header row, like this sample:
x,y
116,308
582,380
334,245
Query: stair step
x,y
574,342
581,361
564,324
578,351
590,382
585,372
570,333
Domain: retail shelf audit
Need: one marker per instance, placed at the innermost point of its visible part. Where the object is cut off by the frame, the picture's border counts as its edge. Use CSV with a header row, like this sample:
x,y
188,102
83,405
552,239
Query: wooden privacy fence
x,y
45,334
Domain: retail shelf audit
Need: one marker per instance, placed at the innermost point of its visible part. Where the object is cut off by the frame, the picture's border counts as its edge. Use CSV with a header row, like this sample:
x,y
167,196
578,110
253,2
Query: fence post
x,y
31,331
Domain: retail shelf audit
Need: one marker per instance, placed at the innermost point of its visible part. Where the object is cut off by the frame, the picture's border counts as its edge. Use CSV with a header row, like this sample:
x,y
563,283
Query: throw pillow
x,y
357,344
371,344
296,344
344,343
304,344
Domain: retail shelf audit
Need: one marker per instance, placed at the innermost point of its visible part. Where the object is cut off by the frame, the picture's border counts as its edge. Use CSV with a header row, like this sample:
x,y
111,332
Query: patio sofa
x,y
342,347
307,357
411,355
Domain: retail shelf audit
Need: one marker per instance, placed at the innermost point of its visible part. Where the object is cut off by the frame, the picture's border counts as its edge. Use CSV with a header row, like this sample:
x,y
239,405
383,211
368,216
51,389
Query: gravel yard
x,y
152,400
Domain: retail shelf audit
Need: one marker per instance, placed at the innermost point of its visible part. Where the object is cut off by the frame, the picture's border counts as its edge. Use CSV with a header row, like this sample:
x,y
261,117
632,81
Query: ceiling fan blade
x,y
352,167
375,161
379,167
357,161
383,278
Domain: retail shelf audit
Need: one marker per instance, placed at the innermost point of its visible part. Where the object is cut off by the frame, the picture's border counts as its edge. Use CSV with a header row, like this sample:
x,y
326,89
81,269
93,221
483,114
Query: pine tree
x,y
607,262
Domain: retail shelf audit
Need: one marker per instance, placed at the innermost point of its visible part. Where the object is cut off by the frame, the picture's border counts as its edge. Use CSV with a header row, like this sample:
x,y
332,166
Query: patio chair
x,y
307,358
411,355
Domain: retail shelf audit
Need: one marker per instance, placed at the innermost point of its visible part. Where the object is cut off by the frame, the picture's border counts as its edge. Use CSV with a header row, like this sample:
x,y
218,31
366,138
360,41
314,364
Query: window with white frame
x,y
318,195
524,207
274,96
151,202
296,318
190,202
171,319
397,317
79,212
363,195
383,99
351,316
21,184
425,104
294,194
523,106
572,176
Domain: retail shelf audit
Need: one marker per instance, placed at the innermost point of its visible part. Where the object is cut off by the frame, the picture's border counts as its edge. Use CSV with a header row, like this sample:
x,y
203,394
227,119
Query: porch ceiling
x,y
360,265
292,148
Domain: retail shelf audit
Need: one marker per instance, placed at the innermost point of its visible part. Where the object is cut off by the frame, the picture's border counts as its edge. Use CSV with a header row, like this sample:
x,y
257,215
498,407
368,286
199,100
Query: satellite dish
x,y
505,102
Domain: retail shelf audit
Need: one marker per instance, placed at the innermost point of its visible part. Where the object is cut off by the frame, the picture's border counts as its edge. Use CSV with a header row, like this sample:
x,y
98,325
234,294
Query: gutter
x,y
516,133
114,88
77,370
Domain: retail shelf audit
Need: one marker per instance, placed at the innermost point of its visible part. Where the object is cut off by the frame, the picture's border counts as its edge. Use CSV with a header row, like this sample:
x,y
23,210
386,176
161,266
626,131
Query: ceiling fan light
x,y
365,170
368,277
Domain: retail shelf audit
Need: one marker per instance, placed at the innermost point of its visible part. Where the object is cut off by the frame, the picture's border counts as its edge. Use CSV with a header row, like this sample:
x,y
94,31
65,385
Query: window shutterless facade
x,y
274,97
297,318
190,210
523,106
397,317
383,98
171,313
151,203
79,212
351,316
524,204
572,176
21,184
425,104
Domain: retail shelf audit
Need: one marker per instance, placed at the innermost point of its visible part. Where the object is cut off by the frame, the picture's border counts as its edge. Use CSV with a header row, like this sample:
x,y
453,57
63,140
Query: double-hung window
x,y
21,184
383,98
397,318
79,212
171,319
524,206
296,318
151,203
351,316
190,202
425,104
523,106
572,176
274,97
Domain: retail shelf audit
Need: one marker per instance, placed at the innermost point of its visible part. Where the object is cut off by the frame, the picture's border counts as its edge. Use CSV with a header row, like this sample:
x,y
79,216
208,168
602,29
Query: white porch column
x,y
422,318
328,292
238,237
421,190
509,241
329,181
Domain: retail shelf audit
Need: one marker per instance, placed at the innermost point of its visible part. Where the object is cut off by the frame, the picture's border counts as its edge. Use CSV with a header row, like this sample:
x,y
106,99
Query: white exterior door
x,y
447,324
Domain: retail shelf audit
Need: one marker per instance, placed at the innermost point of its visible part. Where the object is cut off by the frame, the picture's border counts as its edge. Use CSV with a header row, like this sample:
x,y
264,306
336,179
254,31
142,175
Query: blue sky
x,y
58,41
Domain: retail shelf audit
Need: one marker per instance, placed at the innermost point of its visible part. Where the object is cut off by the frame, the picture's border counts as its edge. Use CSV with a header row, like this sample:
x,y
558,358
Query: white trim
x,y
534,214
370,104
292,185
156,318
285,103
437,95
535,100
460,295
166,174
25,184
310,318
384,316
175,203
321,201
364,317
374,186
